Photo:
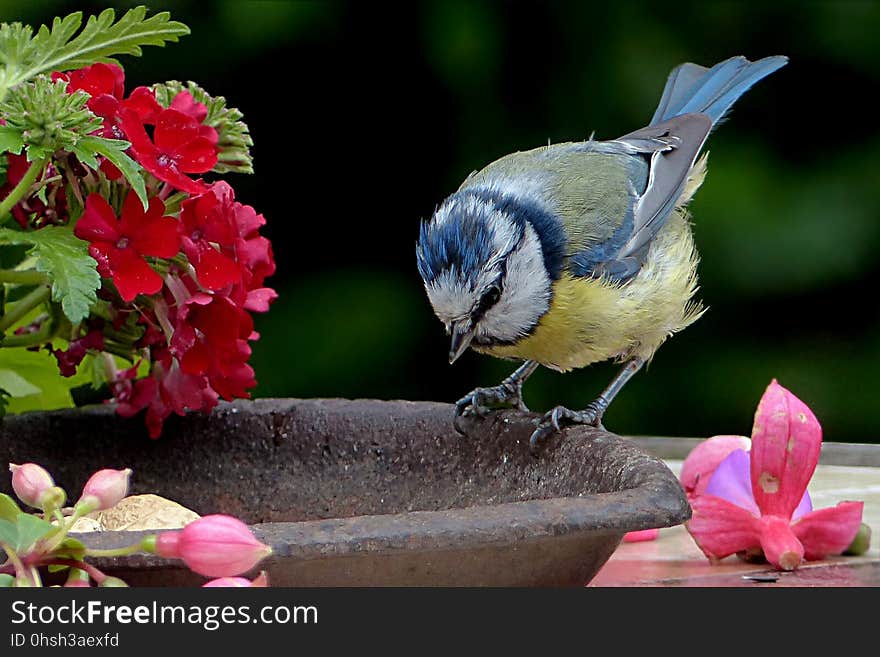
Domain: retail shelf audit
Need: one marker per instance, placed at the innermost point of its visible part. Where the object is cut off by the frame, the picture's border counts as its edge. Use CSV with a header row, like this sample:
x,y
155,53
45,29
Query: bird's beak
x,y
461,340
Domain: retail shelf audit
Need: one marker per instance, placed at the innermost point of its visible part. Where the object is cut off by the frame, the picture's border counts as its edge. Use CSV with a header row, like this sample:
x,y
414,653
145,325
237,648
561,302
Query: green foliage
x,y
47,117
114,150
33,382
11,141
234,139
24,532
9,510
25,55
65,259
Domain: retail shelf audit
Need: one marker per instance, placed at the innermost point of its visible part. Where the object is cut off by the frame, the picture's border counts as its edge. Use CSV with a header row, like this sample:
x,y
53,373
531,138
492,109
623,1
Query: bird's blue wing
x,y
670,149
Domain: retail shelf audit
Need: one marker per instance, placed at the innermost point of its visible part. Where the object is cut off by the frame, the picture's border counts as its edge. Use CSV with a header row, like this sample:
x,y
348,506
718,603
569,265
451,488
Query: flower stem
x,y
93,572
26,277
21,189
29,339
23,306
114,552
20,569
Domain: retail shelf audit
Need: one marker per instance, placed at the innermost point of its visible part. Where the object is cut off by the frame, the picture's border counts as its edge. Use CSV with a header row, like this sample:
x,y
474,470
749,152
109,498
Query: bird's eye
x,y
487,300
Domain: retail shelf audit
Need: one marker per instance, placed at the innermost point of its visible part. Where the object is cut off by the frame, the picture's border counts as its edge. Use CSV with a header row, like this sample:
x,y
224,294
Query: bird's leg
x,y
592,414
506,395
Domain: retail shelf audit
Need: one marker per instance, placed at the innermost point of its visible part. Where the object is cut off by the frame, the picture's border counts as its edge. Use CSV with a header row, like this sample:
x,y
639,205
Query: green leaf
x,y
6,581
16,385
39,369
65,258
24,532
72,548
10,140
113,150
8,508
30,530
57,49
8,533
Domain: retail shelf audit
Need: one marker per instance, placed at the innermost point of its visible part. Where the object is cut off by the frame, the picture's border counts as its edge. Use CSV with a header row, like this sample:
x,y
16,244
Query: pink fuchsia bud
x,y
641,535
260,581
35,487
214,546
786,441
697,469
104,490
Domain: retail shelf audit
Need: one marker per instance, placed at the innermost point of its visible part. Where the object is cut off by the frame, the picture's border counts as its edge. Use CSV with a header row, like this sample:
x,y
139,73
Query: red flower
x,y
120,244
768,509
211,339
105,83
168,390
69,359
204,222
185,103
180,145
221,239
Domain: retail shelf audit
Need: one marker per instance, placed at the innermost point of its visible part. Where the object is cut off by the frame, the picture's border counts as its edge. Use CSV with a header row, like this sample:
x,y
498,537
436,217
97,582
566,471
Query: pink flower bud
x,y
260,581
214,546
31,483
105,489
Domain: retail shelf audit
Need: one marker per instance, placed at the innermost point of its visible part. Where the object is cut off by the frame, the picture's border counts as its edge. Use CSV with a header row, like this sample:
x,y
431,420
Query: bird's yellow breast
x,y
591,320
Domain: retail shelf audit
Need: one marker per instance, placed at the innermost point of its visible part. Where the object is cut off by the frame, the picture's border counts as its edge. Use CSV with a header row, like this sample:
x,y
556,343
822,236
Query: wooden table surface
x,y
675,560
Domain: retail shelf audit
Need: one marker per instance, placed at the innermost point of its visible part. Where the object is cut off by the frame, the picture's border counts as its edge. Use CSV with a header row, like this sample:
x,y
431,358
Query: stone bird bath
x,y
370,493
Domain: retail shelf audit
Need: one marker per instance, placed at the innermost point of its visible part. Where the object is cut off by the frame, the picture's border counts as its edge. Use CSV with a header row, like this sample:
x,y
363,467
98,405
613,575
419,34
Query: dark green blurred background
x,y
364,117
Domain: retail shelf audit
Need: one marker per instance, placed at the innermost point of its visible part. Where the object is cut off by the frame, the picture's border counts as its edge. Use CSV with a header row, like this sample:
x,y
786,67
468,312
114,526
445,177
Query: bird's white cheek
x,y
526,294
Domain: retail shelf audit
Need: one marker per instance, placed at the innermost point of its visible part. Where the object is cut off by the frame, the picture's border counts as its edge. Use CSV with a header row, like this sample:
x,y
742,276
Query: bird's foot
x,y
482,401
554,419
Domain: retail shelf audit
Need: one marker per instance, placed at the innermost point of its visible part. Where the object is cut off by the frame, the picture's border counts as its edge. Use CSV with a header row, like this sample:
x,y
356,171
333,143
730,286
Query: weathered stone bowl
x,y
370,493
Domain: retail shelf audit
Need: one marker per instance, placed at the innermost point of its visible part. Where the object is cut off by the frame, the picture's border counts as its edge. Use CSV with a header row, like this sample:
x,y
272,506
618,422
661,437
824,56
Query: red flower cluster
x,y
193,279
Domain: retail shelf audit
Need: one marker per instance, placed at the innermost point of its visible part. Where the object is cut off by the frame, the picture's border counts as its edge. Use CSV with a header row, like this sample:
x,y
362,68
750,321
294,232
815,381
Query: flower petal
x,y
804,507
829,531
98,222
214,270
697,469
779,544
132,275
731,482
721,528
786,440
197,155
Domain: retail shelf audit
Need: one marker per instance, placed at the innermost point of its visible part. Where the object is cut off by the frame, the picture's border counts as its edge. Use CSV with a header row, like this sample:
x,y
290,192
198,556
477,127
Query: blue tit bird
x,y
579,252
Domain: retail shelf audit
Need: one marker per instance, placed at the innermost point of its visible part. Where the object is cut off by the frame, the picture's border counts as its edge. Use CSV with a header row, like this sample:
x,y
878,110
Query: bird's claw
x,y
553,421
482,401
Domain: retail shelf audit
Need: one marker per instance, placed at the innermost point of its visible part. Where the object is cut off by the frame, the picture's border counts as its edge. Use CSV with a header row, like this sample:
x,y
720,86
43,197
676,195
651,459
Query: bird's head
x,y
484,271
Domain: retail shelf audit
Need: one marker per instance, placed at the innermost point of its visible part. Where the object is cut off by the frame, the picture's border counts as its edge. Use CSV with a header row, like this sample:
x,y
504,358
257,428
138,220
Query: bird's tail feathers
x,y
712,91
